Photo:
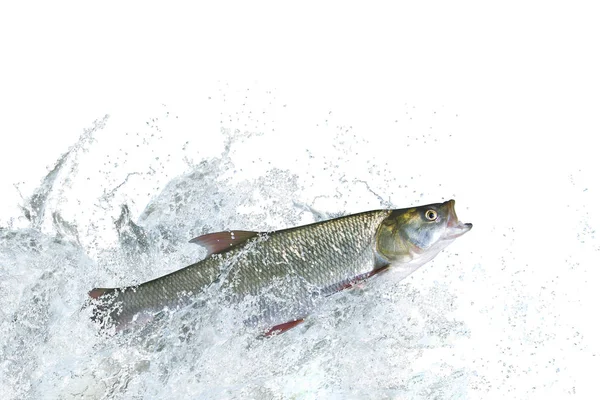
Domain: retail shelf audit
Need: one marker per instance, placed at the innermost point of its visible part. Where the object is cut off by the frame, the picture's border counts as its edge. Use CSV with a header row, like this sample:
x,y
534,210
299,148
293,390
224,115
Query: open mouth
x,y
455,228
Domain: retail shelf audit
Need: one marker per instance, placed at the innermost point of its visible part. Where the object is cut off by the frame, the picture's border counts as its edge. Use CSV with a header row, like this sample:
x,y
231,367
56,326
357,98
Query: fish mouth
x,y
455,228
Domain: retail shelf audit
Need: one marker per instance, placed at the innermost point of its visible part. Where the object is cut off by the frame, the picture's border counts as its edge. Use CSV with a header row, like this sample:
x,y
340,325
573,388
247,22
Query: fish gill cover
x,y
121,204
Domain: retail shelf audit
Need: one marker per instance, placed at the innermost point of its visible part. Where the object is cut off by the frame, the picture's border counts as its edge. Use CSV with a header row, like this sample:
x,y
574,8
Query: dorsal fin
x,y
221,241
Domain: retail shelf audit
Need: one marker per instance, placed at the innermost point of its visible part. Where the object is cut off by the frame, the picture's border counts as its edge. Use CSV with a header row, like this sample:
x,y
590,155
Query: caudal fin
x,y
104,310
97,292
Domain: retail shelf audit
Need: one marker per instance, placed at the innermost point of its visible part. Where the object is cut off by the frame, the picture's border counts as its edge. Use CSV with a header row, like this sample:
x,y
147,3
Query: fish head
x,y
416,235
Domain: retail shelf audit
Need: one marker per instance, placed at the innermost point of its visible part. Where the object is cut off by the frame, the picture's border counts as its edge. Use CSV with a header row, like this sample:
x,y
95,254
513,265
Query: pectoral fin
x,y
221,241
359,278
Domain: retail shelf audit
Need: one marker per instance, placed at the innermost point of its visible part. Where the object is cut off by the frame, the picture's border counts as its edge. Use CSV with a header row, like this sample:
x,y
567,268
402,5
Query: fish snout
x,y
455,228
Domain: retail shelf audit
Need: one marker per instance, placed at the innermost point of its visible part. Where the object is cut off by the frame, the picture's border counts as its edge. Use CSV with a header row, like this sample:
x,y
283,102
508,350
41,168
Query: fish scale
x,y
287,272
321,255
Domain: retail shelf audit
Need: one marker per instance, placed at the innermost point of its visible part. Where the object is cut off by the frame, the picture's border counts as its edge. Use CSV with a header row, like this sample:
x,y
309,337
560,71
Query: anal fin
x,y
281,328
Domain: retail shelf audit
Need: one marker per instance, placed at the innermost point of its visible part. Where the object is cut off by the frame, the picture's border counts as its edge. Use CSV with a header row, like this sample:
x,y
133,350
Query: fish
x,y
289,271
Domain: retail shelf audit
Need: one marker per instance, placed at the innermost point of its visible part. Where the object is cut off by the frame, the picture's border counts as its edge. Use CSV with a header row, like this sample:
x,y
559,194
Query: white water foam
x,y
495,315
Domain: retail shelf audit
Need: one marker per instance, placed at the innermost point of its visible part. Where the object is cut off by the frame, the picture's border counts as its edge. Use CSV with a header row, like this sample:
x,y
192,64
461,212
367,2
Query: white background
x,y
523,74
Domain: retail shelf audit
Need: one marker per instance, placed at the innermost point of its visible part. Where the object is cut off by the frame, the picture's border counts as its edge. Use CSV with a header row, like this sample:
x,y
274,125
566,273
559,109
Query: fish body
x,y
289,270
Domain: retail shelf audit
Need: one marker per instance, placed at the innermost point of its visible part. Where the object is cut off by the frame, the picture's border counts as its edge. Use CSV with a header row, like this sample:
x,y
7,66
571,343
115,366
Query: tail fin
x,y
102,301
111,309
97,292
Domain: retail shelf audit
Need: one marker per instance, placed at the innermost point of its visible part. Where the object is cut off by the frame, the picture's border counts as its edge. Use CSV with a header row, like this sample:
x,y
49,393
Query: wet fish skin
x,y
295,266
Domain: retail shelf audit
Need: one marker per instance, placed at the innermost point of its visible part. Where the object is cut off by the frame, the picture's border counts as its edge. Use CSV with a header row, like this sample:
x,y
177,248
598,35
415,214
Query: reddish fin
x,y
364,276
278,329
97,292
221,241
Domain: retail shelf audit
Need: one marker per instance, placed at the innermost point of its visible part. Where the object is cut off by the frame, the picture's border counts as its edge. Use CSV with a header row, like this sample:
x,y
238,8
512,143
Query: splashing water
x,y
51,349
109,215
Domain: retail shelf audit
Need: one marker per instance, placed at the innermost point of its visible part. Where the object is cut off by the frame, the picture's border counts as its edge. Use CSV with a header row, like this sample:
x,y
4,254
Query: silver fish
x,y
289,270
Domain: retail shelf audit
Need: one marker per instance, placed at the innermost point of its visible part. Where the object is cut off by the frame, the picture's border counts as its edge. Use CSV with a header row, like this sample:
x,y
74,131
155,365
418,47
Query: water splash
x,y
361,344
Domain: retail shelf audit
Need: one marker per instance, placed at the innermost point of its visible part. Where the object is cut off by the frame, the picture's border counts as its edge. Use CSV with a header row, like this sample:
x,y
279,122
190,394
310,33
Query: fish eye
x,y
431,215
